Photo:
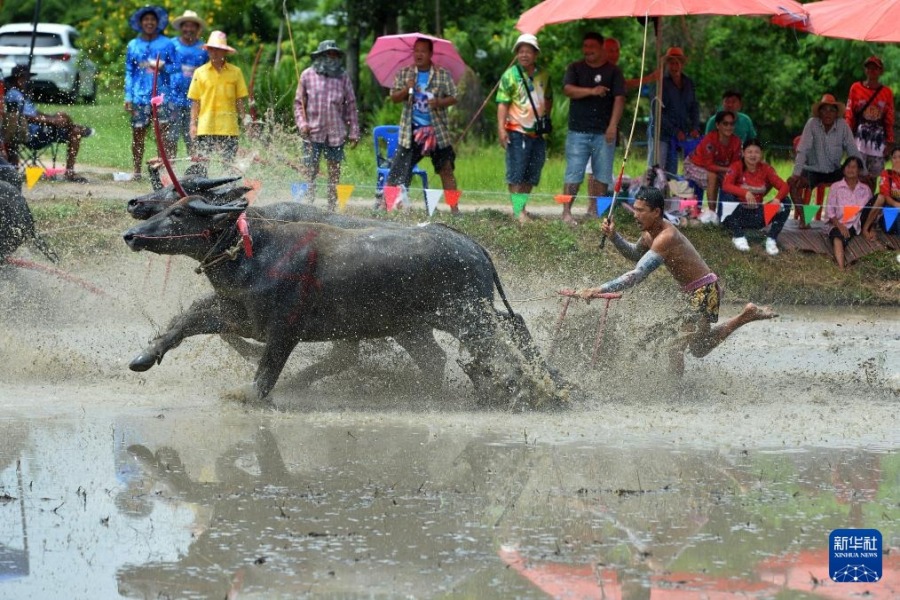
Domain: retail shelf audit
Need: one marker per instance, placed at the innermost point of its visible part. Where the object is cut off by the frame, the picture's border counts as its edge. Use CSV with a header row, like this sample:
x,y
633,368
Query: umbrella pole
x,y
657,109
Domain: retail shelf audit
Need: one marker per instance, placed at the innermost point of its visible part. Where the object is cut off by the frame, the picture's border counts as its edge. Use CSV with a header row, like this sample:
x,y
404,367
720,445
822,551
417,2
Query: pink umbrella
x,y
866,20
390,53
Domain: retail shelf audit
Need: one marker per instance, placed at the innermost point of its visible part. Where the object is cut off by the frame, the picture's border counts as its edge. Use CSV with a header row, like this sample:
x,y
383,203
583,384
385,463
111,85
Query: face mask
x,y
329,66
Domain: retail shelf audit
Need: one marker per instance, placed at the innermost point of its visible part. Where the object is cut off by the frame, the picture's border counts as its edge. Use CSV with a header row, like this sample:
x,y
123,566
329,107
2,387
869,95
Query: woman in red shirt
x,y
709,162
748,181
888,195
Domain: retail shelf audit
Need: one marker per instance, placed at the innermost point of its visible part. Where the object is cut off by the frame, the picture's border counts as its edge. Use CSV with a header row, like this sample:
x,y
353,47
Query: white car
x,y
59,68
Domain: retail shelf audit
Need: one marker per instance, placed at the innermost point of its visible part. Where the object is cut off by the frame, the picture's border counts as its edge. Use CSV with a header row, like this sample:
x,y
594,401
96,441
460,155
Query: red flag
x,y
391,193
562,198
451,197
769,211
850,212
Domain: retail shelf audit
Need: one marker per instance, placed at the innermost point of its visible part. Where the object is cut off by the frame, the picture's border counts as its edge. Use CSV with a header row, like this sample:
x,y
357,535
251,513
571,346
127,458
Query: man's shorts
x,y
313,152
405,158
141,115
835,234
226,145
525,157
179,119
583,146
45,134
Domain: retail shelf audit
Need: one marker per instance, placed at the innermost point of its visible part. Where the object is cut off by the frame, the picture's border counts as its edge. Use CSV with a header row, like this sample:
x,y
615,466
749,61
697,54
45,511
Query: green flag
x,y
809,212
518,203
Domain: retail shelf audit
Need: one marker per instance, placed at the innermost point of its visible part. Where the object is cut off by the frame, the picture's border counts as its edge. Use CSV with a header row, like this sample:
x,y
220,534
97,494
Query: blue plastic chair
x,y
389,136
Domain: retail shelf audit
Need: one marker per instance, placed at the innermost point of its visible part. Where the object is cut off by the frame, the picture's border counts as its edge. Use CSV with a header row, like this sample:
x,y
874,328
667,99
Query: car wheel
x,y
91,97
71,97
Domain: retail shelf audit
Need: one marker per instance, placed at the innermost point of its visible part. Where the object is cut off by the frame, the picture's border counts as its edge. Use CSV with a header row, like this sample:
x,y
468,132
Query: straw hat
x,y
218,39
675,53
162,17
189,16
526,38
826,100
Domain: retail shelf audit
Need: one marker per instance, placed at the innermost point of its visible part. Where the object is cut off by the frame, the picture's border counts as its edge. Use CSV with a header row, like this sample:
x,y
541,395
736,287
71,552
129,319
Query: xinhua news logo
x,y
854,555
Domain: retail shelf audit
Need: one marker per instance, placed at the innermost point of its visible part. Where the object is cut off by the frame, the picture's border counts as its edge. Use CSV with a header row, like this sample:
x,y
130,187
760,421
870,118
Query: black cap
x,y
21,71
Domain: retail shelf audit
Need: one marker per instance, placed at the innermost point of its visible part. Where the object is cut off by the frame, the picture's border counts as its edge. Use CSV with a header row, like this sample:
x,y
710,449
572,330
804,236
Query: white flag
x,y
728,208
432,197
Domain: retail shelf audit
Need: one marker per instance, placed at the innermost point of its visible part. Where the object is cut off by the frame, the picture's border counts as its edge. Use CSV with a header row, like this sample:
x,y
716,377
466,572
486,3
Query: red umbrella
x,y
865,20
562,11
390,53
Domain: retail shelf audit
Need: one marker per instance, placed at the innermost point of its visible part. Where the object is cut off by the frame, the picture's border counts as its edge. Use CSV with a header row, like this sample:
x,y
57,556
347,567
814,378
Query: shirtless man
x,y
662,243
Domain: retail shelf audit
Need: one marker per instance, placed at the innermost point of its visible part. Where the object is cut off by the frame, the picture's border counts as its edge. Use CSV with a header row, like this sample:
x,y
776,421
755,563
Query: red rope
x,y
160,146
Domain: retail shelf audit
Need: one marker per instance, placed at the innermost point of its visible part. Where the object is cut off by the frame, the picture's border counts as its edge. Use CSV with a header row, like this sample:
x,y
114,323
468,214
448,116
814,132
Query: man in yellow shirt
x,y
218,94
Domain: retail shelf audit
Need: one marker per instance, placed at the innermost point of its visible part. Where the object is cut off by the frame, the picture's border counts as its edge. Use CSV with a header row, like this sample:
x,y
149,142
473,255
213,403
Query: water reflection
x,y
278,506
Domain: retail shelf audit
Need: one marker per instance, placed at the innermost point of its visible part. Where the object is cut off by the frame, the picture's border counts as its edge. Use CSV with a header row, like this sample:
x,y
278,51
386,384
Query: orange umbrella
x,y
866,20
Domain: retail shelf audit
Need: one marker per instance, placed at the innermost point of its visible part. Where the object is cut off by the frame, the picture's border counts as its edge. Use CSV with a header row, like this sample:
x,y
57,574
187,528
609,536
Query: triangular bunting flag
x,y
32,174
343,192
687,204
809,212
255,185
432,197
603,204
563,198
728,208
54,171
451,197
298,190
391,193
890,215
770,210
850,212
518,203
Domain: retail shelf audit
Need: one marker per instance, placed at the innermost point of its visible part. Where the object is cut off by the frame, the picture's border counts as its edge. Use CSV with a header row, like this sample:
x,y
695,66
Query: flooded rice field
x,y
725,484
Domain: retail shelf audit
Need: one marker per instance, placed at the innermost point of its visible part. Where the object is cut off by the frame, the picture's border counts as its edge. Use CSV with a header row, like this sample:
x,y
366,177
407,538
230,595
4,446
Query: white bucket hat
x,y
526,38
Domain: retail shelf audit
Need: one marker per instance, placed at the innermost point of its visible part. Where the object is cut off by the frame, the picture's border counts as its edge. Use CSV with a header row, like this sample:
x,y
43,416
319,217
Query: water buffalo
x,y
17,224
286,283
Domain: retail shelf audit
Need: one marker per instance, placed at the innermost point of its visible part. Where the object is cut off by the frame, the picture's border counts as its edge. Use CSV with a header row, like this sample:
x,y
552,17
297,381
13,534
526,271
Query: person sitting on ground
x,y
44,129
849,191
743,124
888,195
713,156
825,139
748,181
661,243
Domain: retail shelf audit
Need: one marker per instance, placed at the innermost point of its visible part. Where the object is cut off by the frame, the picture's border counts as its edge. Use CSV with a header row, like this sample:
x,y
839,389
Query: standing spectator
x,y
597,92
219,95
427,91
43,128
870,115
189,54
849,191
680,119
324,109
748,181
743,125
888,195
150,52
524,95
712,158
825,139
613,50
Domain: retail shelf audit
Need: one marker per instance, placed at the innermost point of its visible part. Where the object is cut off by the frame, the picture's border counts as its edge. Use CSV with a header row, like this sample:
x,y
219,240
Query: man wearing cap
x,y
189,55
524,95
826,138
43,128
732,101
325,113
596,89
426,91
680,115
148,55
870,115
218,94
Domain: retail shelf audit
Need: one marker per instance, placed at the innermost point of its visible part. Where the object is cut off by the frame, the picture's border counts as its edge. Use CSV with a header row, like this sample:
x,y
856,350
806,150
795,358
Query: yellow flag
x,y
343,192
32,174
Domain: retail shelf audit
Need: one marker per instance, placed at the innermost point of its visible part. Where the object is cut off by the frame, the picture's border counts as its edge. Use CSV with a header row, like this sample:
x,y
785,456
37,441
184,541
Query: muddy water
x,y
155,485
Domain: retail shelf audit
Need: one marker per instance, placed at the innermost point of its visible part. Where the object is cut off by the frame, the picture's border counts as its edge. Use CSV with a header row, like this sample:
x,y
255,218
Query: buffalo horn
x,y
201,184
201,207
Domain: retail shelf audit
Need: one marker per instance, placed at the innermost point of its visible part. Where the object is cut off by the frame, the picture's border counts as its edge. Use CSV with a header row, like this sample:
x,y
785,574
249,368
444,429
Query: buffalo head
x,y
144,207
190,226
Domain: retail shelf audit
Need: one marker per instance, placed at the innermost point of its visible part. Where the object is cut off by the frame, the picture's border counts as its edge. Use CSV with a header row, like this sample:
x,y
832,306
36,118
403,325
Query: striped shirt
x,y
440,84
327,105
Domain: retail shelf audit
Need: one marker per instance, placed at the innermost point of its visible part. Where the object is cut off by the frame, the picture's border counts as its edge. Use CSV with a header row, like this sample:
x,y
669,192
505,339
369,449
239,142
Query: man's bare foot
x,y
869,234
524,217
592,214
757,313
568,219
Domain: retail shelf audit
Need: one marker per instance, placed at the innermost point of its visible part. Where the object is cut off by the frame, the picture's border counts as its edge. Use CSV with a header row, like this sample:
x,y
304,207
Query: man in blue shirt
x,y
189,54
150,52
44,129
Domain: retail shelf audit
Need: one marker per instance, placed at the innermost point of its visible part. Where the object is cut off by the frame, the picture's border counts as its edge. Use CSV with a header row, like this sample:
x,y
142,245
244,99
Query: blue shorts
x,y
141,116
179,122
525,157
584,146
313,151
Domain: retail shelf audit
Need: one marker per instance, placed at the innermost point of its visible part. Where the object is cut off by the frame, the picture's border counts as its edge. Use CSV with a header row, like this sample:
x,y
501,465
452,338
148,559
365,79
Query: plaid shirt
x,y
441,85
327,105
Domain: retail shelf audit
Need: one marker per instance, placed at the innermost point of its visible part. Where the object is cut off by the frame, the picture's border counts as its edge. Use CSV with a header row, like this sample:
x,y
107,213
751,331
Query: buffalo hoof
x,y
143,361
